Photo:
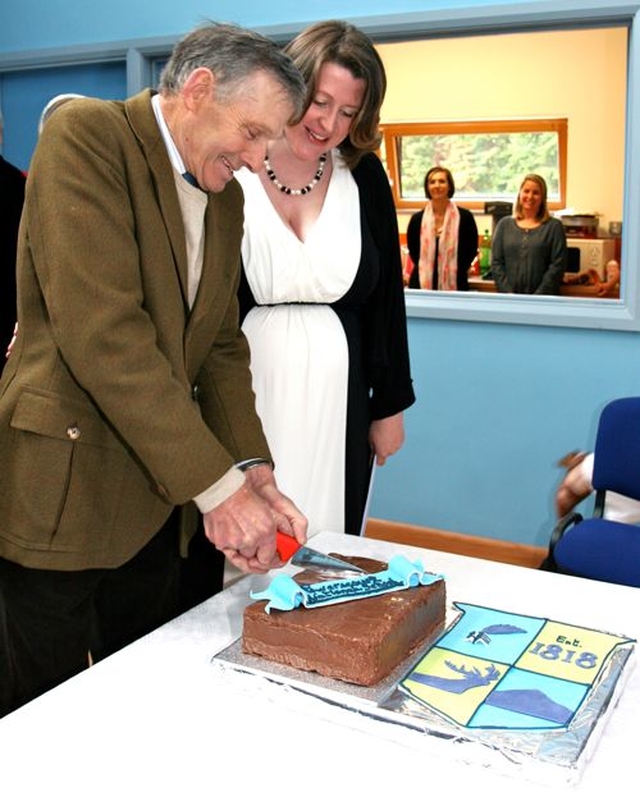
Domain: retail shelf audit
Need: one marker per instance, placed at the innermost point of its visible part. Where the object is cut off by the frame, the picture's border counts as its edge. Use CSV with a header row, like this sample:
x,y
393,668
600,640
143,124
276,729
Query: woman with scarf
x,y
442,239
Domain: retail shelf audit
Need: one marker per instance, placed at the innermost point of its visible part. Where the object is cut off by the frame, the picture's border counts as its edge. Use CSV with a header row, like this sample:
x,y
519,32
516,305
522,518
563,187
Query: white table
x,y
155,719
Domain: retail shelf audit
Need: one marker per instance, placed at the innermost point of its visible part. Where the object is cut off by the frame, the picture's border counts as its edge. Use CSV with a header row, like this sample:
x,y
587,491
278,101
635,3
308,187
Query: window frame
x,y
509,16
393,131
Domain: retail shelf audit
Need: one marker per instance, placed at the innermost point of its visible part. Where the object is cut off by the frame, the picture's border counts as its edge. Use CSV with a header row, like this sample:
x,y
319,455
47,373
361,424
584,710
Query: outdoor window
x,y
488,159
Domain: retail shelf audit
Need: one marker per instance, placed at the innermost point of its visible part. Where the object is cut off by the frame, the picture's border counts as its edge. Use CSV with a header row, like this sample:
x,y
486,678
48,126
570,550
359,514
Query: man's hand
x,y
288,517
244,526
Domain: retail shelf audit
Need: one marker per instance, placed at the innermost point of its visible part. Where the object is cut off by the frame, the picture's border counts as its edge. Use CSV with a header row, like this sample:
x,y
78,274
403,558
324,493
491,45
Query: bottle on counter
x,y
485,253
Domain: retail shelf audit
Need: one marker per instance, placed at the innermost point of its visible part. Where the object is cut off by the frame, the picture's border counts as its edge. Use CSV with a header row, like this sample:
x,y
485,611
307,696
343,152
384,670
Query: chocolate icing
x,y
360,641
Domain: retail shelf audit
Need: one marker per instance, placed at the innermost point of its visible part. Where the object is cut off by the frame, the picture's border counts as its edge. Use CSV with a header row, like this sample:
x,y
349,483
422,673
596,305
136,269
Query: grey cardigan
x,y
528,261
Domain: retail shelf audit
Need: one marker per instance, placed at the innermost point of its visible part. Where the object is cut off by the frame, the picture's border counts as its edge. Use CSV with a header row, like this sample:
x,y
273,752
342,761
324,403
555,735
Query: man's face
x,y
219,135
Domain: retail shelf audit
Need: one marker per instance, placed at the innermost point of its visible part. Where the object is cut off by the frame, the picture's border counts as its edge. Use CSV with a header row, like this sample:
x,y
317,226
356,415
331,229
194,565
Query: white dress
x,y
299,352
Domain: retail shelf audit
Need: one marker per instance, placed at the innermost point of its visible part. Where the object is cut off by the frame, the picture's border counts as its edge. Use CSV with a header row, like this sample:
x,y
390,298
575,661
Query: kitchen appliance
x,y
586,253
580,226
497,211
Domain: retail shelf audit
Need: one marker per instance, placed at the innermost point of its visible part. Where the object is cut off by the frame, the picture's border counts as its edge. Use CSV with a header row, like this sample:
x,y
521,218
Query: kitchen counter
x,y
156,718
582,291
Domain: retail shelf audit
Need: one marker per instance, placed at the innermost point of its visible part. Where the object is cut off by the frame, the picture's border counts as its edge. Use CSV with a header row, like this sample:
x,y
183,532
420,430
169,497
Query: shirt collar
x,y
172,150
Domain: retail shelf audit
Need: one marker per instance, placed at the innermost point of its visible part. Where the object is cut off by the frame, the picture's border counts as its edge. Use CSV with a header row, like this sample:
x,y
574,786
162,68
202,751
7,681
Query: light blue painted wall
x,y
52,23
498,404
24,94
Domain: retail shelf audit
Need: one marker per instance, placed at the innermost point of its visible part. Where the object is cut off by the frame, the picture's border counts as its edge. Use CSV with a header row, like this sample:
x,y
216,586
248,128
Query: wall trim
x,y
453,542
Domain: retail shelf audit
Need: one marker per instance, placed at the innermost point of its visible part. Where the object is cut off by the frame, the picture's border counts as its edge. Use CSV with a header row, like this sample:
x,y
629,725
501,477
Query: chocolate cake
x,y
360,641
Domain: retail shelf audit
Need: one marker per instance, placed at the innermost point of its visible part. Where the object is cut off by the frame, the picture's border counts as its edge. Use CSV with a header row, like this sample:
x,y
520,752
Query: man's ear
x,y
199,86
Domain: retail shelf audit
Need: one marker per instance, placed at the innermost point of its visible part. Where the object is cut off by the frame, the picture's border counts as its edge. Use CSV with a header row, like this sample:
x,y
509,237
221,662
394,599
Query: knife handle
x,y
286,545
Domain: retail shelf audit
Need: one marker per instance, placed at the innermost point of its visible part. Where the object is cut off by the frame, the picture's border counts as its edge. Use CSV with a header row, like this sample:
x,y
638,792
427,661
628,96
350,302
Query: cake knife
x,y
290,550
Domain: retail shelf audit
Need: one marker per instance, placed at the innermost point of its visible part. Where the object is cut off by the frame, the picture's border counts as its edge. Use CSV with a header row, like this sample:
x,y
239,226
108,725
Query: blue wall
x,y
498,404
28,24
24,94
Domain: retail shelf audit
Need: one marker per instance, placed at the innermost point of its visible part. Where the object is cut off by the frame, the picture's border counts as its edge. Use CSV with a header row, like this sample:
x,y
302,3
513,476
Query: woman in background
x,y
529,249
325,315
442,239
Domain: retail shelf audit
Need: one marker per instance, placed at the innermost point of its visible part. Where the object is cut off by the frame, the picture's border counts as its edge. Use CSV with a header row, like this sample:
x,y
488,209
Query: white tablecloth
x,y
155,719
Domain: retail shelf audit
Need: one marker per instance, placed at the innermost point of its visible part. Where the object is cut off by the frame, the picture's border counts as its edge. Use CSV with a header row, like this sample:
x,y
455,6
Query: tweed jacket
x,y
100,435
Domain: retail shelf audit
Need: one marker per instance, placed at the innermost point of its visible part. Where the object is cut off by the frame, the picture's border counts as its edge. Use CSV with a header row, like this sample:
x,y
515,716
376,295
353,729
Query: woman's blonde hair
x,y
543,211
341,43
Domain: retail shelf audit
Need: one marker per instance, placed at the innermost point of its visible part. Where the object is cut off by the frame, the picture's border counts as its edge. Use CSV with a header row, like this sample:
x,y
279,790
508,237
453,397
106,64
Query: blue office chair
x,y
594,547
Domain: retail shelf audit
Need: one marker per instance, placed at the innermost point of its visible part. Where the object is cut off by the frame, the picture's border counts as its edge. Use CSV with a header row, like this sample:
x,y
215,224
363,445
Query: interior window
x,y
488,158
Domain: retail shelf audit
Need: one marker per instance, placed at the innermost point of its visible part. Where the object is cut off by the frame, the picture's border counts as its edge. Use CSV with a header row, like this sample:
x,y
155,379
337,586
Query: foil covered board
x,y
550,757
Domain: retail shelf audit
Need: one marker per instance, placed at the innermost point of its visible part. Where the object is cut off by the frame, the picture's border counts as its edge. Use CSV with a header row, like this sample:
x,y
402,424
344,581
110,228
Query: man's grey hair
x,y
232,53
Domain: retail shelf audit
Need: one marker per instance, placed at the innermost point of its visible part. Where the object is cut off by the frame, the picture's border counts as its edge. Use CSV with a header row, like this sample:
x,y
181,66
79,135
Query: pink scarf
x,y
447,249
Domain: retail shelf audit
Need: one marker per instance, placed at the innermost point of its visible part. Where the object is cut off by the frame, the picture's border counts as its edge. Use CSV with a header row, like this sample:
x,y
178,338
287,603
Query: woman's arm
x,y
385,314
552,277
498,264
467,247
413,245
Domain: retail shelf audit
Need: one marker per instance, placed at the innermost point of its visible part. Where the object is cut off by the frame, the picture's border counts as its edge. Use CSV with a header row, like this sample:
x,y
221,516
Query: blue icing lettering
x,y
349,589
285,593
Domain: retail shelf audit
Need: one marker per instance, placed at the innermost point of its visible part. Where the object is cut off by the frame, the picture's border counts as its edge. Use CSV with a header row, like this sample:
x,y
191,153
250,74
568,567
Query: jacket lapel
x,y
220,267
143,123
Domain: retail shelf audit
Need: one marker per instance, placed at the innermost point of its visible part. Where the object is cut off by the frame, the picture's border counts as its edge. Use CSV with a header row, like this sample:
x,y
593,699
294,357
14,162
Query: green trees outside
x,y
484,165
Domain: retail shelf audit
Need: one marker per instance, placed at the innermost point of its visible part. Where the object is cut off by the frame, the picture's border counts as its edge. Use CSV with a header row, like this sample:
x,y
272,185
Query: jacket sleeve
x,y
390,373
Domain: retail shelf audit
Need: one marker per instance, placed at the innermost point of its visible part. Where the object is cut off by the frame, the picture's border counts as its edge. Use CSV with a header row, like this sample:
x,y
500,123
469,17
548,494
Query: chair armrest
x,y
571,519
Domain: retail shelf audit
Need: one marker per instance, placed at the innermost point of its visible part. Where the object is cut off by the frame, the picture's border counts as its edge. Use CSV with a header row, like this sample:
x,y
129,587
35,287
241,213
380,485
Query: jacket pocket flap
x,y
61,418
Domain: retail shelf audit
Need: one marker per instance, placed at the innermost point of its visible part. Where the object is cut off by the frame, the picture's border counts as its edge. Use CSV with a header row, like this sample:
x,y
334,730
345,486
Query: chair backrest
x,y
616,456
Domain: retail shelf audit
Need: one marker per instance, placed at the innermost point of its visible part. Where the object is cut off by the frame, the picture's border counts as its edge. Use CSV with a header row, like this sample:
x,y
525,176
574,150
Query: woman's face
x,y
530,197
330,115
438,185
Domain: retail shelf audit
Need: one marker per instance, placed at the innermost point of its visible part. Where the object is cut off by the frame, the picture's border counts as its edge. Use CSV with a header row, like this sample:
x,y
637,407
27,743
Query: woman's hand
x,y
386,436
575,486
12,341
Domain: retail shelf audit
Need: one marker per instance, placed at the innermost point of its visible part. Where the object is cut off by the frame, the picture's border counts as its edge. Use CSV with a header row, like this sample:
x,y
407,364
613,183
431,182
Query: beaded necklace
x,y
297,191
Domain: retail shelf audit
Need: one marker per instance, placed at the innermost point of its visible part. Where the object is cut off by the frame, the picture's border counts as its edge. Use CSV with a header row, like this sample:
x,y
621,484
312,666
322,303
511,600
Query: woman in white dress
x,y
322,296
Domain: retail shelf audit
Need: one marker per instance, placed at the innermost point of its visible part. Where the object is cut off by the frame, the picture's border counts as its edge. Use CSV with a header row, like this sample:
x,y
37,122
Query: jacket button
x,y
73,433
195,390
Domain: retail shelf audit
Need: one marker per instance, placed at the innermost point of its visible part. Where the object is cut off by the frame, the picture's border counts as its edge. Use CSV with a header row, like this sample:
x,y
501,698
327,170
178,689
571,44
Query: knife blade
x,y
290,550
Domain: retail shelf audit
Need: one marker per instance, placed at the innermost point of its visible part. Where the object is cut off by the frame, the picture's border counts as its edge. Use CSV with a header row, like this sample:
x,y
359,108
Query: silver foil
x,y
550,757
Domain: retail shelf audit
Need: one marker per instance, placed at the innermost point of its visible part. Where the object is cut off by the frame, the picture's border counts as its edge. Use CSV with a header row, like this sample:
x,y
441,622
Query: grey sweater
x,y
528,261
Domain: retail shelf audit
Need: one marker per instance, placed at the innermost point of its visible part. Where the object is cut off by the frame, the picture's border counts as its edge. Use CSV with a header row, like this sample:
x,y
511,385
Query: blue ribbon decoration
x,y
284,593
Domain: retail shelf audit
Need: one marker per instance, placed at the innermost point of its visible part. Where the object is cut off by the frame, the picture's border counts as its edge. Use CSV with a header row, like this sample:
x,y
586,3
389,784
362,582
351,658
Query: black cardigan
x,y
388,348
